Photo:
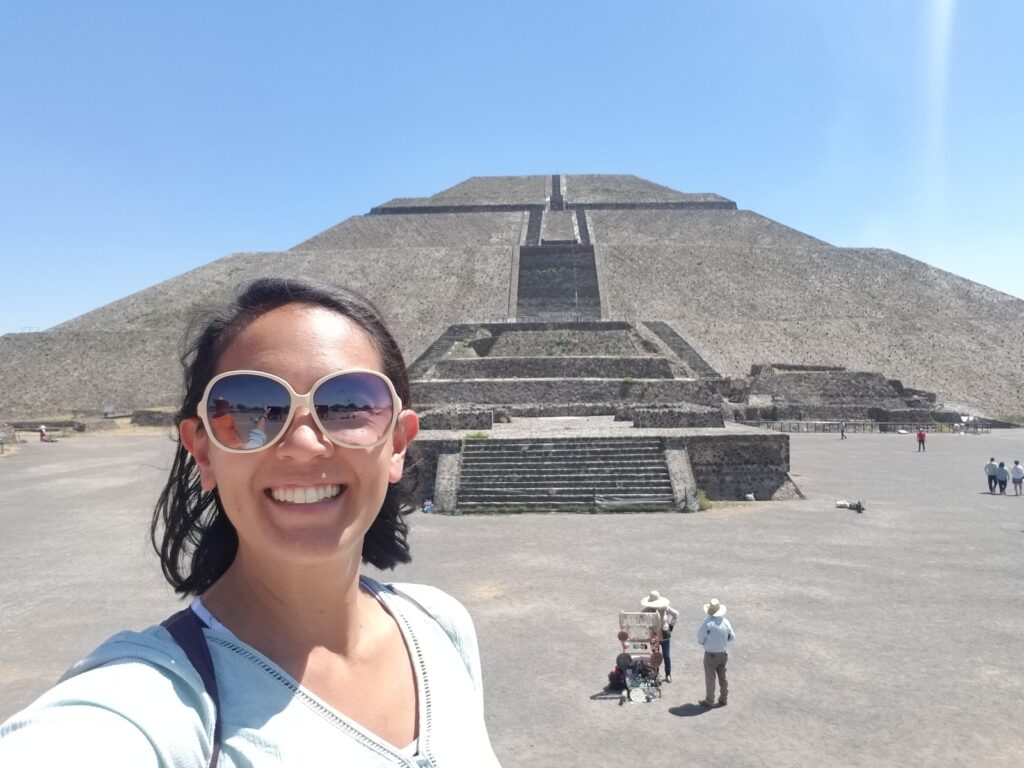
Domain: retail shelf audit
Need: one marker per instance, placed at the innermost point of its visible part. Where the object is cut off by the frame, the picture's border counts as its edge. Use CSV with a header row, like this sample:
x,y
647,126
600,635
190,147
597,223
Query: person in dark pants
x,y
668,615
715,634
990,472
920,440
1002,477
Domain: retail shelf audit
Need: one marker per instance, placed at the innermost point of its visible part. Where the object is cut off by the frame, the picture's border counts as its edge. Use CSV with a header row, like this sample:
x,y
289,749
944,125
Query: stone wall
x,y
670,418
425,452
456,418
153,418
554,367
524,391
828,387
729,466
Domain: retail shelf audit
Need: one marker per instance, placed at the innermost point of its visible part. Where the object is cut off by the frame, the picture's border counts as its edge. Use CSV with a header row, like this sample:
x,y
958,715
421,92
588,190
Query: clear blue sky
x,y
139,140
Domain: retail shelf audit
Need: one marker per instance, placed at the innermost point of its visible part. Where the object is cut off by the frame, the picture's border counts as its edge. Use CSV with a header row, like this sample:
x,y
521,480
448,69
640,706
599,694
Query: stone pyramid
x,y
740,289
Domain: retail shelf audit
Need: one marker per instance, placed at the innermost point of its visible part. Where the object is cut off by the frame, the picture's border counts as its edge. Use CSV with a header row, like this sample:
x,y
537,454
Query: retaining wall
x,y
554,367
730,466
540,391
677,417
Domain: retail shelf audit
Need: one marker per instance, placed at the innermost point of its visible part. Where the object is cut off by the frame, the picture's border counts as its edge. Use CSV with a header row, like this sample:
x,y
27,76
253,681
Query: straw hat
x,y
654,600
714,608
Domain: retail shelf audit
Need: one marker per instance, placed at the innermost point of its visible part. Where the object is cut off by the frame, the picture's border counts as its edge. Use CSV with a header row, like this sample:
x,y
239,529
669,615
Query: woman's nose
x,y
304,438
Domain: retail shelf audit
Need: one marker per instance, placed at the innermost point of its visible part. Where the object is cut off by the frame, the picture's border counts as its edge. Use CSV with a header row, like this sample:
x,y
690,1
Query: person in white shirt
x,y
715,634
1017,475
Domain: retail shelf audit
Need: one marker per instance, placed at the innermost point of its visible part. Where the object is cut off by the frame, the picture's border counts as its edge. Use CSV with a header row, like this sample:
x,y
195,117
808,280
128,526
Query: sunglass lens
x,y
354,408
247,411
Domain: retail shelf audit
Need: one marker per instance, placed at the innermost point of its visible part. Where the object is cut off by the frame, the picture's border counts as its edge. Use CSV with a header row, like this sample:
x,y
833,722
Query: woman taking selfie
x,y
308,662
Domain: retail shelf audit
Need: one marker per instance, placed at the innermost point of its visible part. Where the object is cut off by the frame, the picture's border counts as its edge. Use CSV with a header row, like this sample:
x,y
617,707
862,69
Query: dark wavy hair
x,y
190,532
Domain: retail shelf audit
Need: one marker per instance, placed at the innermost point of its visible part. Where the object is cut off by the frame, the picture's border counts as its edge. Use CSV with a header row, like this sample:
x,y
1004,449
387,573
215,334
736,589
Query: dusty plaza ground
x,y
895,637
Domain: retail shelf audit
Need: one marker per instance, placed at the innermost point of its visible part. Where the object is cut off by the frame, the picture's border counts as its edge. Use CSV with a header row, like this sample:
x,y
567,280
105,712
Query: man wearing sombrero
x,y
668,615
715,634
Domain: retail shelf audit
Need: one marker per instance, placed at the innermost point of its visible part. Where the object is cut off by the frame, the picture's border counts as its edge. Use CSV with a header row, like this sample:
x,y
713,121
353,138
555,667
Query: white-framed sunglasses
x,y
247,411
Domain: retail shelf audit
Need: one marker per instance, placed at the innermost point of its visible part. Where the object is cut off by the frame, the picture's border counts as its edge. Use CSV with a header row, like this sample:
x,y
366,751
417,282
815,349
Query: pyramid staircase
x,y
564,475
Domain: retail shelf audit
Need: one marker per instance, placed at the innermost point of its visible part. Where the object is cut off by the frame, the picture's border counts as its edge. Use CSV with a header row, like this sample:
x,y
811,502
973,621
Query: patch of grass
x,y
477,436
703,502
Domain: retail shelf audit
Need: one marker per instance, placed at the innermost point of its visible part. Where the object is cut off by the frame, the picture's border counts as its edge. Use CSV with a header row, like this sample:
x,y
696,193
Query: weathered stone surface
x,y
153,418
737,286
456,418
693,416
554,367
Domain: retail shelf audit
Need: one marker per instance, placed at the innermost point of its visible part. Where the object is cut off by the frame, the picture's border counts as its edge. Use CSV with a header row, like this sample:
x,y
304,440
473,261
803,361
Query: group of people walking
x,y
714,634
999,475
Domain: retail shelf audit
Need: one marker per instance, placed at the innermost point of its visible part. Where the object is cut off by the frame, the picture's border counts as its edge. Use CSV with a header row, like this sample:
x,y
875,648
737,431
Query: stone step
x,y
560,452
588,474
567,461
505,508
561,496
528,485
476,473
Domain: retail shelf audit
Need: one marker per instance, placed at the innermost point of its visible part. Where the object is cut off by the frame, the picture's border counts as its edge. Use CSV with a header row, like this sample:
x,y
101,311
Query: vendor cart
x,y
640,657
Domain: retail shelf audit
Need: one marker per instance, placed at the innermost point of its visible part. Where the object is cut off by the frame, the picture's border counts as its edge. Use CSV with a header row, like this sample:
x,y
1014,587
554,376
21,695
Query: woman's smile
x,y
305,495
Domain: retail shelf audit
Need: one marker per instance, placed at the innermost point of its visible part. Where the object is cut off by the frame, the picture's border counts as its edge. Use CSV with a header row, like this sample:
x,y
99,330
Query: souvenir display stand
x,y
640,659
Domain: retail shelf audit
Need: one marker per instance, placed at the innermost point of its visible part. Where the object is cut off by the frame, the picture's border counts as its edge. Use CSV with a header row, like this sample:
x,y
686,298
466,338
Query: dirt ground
x,y
890,638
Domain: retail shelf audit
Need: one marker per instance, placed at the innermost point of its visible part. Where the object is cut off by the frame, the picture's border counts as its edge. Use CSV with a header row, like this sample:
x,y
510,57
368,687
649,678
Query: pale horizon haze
x,y
141,140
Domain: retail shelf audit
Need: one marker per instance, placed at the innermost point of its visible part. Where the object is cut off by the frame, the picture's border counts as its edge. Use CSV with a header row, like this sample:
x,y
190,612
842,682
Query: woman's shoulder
x,y
136,696
443,609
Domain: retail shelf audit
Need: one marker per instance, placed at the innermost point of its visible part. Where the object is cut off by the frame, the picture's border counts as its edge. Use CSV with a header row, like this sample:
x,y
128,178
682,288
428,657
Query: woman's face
x,y
301,344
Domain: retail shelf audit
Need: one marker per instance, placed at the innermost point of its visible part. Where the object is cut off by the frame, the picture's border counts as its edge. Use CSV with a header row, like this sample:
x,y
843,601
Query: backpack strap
x,y
187,630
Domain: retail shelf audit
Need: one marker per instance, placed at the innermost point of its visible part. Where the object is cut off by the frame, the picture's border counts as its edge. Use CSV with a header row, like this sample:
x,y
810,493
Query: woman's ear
x,y
197,443
404,433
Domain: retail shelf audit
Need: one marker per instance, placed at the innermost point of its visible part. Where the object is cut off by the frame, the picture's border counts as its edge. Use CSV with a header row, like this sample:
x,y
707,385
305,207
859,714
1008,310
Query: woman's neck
x,y
288,610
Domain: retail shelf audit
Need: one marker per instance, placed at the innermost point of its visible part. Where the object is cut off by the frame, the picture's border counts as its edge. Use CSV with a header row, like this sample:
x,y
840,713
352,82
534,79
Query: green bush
x,y
703,502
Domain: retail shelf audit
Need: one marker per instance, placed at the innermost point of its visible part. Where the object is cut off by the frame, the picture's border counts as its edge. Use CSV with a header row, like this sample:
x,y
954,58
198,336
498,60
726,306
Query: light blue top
x,y
137,701
715,633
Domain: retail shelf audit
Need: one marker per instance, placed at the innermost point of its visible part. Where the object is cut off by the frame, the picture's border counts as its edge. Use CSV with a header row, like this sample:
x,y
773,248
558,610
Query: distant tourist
x,y
990,472
1002,476
1017,475
44,436
920,439
842,430
715,634
428,506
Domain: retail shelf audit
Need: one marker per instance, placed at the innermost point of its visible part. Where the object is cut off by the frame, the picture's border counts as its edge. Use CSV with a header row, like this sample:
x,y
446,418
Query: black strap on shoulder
x,y
187,630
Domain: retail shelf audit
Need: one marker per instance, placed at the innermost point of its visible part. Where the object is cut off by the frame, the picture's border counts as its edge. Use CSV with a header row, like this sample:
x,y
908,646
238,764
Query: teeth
x,y
306,495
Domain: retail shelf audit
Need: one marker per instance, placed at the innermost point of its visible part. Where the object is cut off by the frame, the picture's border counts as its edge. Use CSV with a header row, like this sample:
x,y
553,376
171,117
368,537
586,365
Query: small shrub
x,y
703,502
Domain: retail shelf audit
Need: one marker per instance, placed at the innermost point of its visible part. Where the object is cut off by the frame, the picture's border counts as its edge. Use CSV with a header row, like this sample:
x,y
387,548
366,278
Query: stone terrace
x,y
744,288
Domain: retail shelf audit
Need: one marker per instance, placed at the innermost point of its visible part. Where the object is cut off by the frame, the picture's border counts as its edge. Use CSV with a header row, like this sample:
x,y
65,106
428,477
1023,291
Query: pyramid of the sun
x,y
740,288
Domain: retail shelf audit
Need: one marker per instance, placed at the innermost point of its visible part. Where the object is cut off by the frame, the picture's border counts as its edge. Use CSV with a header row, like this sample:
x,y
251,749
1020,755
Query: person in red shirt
x,y
920,439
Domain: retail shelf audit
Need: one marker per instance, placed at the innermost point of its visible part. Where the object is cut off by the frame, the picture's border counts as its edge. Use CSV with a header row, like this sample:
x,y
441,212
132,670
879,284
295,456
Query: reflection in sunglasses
x,y
353,408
